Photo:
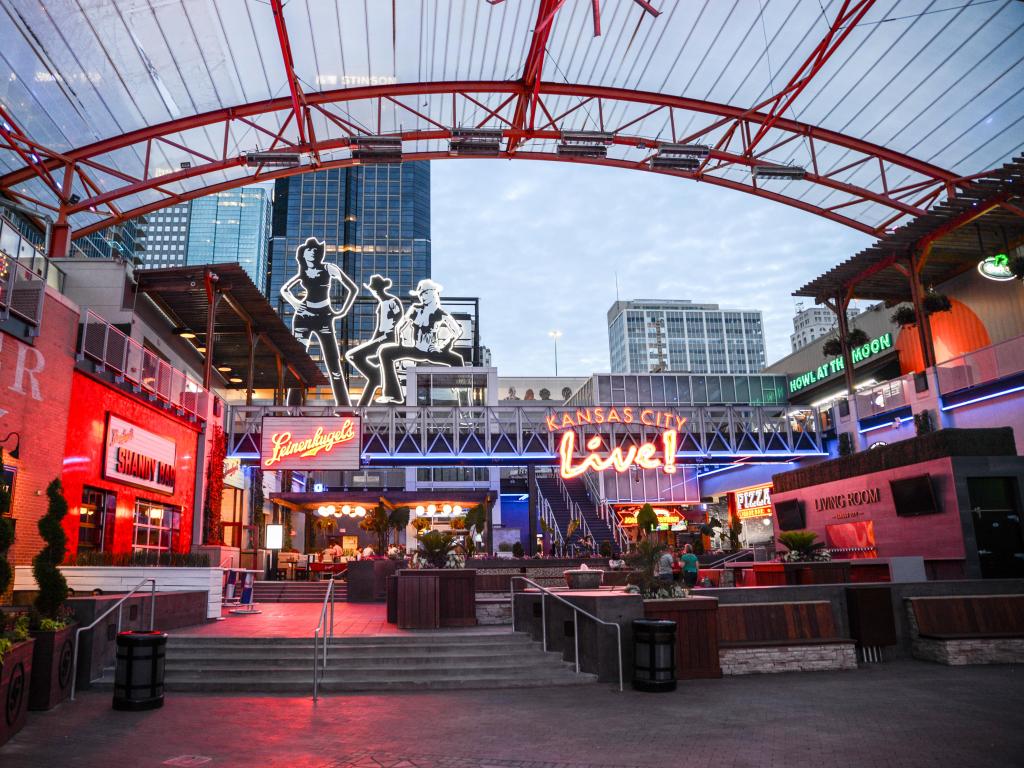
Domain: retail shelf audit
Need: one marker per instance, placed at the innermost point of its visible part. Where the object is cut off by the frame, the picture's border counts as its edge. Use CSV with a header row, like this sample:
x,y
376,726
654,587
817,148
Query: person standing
x,y
691,567
314,316
364,357
663,572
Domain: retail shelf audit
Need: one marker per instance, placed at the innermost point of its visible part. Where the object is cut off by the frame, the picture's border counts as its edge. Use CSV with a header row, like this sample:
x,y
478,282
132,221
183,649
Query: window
x,y
96,519
155,526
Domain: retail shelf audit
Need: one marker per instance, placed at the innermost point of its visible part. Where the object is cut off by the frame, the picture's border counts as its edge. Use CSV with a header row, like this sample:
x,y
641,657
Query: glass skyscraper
x,y
656,336
374,219
232,226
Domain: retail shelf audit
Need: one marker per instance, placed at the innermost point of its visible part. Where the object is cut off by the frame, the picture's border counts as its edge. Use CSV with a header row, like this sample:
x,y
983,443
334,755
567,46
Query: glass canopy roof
x,y
116,107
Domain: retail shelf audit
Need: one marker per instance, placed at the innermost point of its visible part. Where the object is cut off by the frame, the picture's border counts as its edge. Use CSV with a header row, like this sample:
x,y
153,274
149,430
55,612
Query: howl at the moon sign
x,y
425,332
136,456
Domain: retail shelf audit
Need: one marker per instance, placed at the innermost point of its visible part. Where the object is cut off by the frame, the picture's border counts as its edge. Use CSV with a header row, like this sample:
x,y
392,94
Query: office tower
x,y
374,219
813,323
167,237
652,336
126,240
232,226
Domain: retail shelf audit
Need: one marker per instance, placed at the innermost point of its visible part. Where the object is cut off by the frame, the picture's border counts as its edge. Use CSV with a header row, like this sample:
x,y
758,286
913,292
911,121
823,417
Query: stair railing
x,y
576,611
732,556
321,638
116,606
548,516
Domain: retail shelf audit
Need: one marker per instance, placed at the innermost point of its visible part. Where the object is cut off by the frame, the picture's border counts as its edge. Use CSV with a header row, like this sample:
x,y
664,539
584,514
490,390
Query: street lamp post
x,y
555,335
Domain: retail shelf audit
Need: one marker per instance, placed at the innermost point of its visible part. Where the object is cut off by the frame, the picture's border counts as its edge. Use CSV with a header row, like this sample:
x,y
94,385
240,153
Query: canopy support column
x,y
839,306
212,300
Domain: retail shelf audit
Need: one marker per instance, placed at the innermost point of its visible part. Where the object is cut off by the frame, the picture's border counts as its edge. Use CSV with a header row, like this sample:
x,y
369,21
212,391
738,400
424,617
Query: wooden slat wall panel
x,y
973,615
776,622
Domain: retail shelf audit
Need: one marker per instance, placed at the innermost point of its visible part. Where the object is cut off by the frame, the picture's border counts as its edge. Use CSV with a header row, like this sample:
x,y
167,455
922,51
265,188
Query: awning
x,y
437,496
242,312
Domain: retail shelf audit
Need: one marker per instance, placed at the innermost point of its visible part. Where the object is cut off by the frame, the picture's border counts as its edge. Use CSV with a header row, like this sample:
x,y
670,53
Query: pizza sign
x,y
753,502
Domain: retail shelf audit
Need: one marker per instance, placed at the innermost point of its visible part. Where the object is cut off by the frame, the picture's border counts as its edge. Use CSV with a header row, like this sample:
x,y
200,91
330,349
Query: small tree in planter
x,y
398,519
51,667
213,532
437,550
646,519
802,547
378,523
517,549
15,671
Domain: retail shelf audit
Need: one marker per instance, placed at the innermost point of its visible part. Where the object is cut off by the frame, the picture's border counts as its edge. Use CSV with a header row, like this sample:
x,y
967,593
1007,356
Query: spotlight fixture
x,y
584,144
376,149
185,165
475,142
272,159
184,333
74,199
235,380
679,157
787,172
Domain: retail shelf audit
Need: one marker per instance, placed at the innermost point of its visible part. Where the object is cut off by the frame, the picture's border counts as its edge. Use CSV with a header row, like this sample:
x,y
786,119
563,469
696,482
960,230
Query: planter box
x,y
86,579
456,594
51,668
793,574
580,579
15,677
696,621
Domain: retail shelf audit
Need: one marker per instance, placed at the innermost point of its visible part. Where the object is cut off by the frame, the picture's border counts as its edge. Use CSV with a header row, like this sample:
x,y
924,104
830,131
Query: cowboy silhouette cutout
x,y
364,357
425,334
314,315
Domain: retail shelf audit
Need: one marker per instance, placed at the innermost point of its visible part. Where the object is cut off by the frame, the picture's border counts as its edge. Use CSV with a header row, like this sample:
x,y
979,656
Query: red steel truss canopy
x,y
886,107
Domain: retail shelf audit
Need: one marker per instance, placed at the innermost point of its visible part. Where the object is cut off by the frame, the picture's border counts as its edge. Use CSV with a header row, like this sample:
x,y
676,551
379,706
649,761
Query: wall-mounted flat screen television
x,y
914,496
791,515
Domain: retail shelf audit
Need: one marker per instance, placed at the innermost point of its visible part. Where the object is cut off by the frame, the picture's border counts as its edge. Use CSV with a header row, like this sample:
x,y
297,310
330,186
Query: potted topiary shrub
x,y
904,316
51,627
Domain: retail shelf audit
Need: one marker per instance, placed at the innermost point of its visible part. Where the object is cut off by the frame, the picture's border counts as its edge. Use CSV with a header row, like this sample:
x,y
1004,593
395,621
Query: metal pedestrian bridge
x,y
522,434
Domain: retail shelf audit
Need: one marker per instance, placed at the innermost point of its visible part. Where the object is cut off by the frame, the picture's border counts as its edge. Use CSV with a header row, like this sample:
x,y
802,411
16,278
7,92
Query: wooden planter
x,y
15,677
51,668
696,621
455,597
793,574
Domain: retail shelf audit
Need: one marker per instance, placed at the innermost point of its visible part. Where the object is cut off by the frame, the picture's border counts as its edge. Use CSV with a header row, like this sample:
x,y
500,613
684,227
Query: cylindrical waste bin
x,y
654,655
139,674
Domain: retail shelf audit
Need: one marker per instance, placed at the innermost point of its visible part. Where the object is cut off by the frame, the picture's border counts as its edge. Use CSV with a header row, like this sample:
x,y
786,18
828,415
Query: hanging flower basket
x,y
832,348
904,316
936,302
857,338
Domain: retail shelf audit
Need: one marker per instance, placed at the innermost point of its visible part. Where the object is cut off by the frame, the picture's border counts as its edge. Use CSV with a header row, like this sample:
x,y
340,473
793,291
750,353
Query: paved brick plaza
x,y
899,715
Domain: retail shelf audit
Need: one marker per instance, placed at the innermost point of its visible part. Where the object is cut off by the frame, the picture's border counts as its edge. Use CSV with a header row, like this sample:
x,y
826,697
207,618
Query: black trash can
x,y
654,655
139,674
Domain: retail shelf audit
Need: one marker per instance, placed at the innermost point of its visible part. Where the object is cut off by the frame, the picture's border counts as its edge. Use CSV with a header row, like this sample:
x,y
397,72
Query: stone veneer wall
x,y
826,657
957,653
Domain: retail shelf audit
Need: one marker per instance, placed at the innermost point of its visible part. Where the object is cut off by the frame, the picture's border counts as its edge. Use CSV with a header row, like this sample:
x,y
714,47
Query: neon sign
x,y
996,267
666,517
648,417
643,456
749,503
310,443
876,346
139,457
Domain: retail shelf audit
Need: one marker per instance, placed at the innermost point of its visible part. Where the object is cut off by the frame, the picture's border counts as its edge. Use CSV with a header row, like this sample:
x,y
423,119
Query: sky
x,y
541,243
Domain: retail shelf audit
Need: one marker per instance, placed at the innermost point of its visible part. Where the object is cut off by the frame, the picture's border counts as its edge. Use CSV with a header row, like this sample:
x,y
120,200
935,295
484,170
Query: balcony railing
x,y
130,361
998,361
24,274
882,398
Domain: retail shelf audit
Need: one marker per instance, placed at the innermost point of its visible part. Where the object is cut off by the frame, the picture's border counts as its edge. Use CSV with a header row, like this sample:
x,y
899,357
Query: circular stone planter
x,y
583,579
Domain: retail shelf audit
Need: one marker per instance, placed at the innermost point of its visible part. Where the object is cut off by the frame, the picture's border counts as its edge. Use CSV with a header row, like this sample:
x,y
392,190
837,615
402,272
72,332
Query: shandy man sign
x,y
310,443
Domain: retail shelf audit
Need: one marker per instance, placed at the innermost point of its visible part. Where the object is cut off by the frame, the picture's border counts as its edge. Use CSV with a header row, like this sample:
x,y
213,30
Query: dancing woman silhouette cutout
x,y
364,357
314,315
426,334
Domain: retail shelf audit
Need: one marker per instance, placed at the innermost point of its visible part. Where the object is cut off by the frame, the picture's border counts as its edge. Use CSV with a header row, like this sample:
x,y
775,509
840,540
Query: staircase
x,y
403,662
296,591
551,489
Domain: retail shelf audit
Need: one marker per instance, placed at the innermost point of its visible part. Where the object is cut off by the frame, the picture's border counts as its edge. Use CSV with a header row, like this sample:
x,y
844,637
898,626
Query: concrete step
x,y
501,636
346,667
378,655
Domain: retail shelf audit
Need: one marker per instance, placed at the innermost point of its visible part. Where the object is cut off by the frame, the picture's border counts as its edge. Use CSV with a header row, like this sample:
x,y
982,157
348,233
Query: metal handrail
x,y
576,611
734,555
102,616
320,637
547,515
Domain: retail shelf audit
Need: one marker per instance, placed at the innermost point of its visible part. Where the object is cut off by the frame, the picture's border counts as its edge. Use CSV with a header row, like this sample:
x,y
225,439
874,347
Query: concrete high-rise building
x,y
374,219
167,237
652,336
813,323
126,240
232,226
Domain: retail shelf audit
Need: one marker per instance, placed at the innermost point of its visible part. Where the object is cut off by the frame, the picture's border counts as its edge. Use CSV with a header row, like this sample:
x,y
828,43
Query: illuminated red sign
x,y
136,456
643,456
310,443
666,517
752,502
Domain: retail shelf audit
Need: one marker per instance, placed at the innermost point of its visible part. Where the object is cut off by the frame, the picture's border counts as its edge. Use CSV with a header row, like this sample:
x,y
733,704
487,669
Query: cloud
x,y
543,245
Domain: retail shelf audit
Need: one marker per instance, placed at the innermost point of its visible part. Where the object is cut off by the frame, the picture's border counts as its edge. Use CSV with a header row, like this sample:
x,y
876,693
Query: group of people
x,y
674,566
423,333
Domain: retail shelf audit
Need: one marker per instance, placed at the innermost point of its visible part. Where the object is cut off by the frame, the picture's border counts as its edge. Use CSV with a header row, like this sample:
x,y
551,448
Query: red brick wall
x,y
35,390
86,428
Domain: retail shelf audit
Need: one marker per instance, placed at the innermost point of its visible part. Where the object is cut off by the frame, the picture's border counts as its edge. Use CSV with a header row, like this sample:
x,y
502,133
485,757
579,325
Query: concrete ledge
x,y
827,657
979,650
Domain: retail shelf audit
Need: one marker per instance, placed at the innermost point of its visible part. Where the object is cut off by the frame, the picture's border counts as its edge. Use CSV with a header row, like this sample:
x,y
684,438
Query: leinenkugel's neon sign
x,y
642,456
305,443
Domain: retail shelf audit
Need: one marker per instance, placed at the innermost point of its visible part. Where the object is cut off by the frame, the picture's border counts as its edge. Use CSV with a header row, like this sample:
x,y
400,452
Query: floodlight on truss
x,y
478,142
668,150
587,137
376,149
272,159
787,172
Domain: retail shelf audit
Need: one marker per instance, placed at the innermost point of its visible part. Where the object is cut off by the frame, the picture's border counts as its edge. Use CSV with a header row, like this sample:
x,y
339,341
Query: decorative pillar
x,y
212,300
924,326
532,507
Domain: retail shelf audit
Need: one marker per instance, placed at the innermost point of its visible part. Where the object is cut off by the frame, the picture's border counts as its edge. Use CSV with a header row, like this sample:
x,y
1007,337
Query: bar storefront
x,y
129,473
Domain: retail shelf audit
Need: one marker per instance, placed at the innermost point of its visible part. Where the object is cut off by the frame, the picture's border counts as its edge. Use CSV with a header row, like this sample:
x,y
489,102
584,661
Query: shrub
x,y
504,547
517,550
923,423
904,316
857,338
646,519
606,548
53,587
832,348
803,547
420,524
936,302
136,559
436,547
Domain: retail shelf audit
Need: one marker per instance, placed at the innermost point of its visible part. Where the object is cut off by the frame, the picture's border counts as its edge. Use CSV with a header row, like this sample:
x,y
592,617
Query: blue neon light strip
x,y
983,398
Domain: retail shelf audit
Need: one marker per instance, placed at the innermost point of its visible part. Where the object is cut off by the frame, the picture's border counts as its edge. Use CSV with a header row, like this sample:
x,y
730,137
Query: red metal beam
x,y
298,104
845,22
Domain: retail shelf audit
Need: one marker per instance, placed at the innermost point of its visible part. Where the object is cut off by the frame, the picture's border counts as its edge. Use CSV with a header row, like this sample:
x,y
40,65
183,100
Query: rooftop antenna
x,y
616,285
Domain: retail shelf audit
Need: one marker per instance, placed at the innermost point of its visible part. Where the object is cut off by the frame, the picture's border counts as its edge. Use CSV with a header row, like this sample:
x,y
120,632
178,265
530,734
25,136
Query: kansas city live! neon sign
x,y
643,456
